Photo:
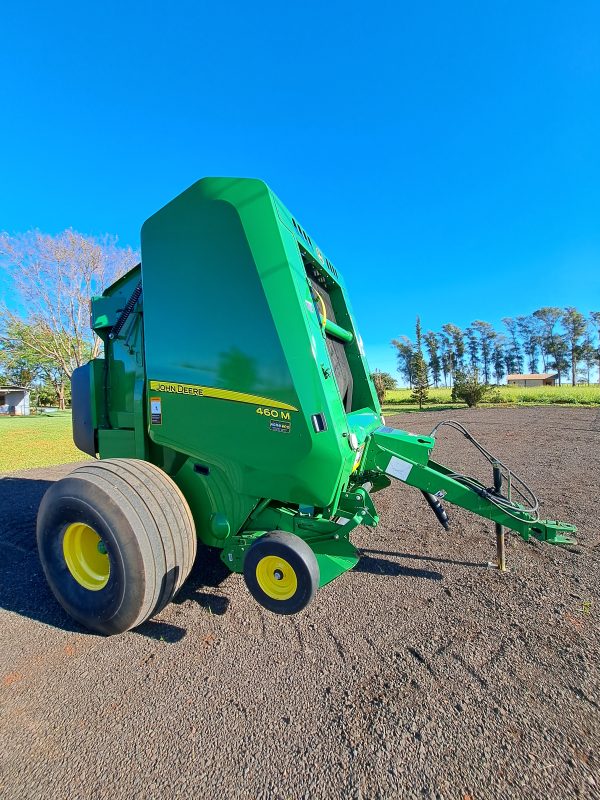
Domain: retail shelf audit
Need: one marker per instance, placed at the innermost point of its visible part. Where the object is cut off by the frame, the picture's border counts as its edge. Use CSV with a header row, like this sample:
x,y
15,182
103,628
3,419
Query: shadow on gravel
x,y
19,502
208,572
427,558
382,566
161,631
23,587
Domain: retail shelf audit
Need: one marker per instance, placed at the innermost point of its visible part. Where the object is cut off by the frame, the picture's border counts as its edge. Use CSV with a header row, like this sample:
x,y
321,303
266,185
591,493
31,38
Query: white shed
x,y
537,379
14,401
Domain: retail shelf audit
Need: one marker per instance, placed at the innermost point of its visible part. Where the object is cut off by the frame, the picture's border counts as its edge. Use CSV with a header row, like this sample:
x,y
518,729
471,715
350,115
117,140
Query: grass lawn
x,y
45,440
440,399
37,441
402,408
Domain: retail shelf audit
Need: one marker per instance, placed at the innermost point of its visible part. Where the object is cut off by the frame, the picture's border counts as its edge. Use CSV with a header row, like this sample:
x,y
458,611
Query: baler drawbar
x,y
233,404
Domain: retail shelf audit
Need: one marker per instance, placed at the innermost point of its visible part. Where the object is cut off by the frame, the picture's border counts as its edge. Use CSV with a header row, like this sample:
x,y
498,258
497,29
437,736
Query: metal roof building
x,y
14,401
534,379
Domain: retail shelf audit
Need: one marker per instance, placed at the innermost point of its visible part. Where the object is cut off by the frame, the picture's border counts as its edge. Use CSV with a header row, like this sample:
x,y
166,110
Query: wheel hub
x,y
86,556
276,577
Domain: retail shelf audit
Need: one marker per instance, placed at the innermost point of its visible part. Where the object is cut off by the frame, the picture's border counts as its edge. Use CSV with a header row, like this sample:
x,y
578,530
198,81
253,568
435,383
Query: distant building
x,y
14,401
543,379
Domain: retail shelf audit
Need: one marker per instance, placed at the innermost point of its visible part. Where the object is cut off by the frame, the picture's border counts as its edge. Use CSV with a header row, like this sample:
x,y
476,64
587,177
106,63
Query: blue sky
x,y
446,156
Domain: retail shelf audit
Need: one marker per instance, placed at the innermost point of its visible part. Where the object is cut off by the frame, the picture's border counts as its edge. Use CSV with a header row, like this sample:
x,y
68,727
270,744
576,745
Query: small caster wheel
x,y
281,572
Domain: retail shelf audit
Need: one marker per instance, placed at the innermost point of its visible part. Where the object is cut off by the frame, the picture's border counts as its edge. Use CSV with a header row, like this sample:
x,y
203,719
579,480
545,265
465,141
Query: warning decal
x,y
155,411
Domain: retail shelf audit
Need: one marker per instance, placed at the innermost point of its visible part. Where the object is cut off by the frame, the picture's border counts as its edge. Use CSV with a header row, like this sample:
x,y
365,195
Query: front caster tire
x,y
116,541
281,572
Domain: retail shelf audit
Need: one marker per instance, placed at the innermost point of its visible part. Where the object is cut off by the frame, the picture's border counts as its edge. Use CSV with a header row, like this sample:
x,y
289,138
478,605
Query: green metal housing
x,y
241,373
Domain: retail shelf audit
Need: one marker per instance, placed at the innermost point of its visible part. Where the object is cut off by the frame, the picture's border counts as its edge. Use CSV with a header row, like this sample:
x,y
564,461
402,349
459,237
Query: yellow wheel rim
x,y
276,578
86,557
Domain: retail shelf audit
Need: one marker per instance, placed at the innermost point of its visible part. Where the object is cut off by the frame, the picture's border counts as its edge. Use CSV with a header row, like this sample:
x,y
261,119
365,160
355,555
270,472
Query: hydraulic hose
x,y
530,505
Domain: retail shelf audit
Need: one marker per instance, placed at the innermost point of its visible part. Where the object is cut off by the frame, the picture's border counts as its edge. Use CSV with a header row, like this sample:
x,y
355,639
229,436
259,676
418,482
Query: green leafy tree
x,y
456,336
405,354
498,358
529,330
435,364
595,320
24,364
468,388
487,336
420,375
510,364
446,357
389,382
575,325
552,345
472,348
383,382
19,364
588,355
379,387
514,346
559,357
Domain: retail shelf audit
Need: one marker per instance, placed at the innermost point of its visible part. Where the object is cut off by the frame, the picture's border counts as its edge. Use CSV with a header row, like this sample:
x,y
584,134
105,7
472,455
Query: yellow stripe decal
x,y
220,394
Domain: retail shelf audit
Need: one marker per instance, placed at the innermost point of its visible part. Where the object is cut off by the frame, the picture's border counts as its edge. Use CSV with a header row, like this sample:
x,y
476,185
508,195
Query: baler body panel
x,y
238,359
234,360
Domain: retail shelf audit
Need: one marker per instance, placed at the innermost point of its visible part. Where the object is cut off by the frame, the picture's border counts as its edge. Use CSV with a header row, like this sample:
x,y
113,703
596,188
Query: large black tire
x,y
281,572
142,540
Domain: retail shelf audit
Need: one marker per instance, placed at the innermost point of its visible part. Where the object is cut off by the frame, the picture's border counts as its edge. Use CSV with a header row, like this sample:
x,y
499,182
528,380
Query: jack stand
x,y
500,550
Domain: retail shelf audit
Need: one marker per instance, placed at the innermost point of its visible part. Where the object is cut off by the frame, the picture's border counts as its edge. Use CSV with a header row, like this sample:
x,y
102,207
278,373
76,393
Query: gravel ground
x,y
419,674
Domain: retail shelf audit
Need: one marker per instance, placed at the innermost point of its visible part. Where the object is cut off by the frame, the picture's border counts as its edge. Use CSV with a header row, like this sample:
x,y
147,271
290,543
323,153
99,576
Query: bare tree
x,y
54,278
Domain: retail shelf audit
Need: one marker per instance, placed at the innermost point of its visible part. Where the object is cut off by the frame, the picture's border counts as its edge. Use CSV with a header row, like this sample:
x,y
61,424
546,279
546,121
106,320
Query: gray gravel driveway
x,y
421,674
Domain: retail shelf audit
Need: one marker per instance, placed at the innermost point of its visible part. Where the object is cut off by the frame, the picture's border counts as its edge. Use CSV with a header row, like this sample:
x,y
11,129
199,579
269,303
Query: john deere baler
x,y
233,404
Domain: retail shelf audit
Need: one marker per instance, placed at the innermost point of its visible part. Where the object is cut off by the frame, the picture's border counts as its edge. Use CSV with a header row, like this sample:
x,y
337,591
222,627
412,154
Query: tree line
x,y
45,328
551,339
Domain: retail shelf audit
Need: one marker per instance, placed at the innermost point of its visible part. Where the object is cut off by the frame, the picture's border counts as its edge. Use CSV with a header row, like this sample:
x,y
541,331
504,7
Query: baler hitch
x,y
406,456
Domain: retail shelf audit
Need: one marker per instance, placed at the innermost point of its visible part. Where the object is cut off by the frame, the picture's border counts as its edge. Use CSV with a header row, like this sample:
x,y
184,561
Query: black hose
x,y
438,509
530,504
